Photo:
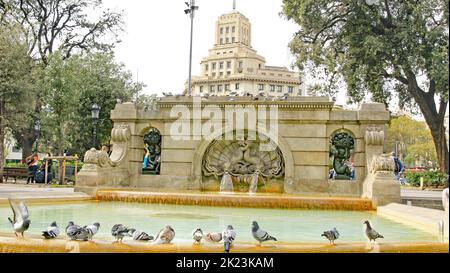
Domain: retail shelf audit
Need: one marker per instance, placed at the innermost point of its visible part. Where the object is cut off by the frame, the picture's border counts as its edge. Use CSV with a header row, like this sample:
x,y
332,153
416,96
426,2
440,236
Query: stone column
x,y
380,184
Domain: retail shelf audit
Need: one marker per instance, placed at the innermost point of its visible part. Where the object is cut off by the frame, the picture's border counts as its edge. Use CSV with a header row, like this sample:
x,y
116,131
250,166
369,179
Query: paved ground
x,y
38,192
422,194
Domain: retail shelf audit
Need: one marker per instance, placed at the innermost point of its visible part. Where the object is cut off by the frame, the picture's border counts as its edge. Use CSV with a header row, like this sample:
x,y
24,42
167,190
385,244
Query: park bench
x,y
15,172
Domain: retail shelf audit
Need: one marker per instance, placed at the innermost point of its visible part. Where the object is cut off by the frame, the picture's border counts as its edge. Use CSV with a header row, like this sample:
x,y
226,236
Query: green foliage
x,y
388,49
431,178
71,87
414,141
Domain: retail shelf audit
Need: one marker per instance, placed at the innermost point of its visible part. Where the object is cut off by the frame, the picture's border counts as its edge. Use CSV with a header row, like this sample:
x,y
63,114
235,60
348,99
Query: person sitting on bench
x,y
32,162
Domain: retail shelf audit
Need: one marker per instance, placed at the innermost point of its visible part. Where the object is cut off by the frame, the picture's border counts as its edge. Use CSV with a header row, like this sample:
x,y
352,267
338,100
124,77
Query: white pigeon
x,y
229,235
165,236
20,221
52,231
197,235
213,237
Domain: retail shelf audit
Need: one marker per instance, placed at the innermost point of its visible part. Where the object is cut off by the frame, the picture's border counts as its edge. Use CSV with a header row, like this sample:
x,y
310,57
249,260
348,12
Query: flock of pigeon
x,y
21,223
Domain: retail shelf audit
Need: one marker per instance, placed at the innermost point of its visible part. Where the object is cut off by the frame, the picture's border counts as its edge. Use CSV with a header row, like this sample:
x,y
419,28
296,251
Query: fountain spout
x,y
254,182
226,185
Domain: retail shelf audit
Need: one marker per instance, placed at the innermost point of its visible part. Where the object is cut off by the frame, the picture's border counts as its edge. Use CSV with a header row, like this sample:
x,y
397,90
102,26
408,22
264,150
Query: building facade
x,y
233,67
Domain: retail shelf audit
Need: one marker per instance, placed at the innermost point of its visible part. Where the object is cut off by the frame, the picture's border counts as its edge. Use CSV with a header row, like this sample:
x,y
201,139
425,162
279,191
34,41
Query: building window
x,y
221,74
259,66
221,30
261,87
240,64
290,89
279,88
233,29
201,88
228,64
213,74
213,65
228,30
227,87
212,88
221,65
221,41
206,67
236,86
219,88
233,40
228,40
228,73
272,88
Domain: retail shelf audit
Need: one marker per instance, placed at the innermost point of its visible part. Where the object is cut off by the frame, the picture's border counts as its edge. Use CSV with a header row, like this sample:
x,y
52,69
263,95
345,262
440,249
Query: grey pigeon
x,y
140,235
260,235
119,231
229,235
20,221
197,235
371,233
52,231
75,232
331,235
165,236
92,230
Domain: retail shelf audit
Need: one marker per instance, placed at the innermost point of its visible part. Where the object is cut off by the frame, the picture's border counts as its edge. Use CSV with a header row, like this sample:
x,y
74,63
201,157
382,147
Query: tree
x,y
15,70
390,49
413,140
59,25
70,87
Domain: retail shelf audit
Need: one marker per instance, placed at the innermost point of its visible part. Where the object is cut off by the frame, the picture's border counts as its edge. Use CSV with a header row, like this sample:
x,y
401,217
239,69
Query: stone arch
x,y
196,170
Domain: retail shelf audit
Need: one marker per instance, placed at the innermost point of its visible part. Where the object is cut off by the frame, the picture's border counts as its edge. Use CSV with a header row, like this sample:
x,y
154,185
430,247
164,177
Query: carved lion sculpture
x,y
97,157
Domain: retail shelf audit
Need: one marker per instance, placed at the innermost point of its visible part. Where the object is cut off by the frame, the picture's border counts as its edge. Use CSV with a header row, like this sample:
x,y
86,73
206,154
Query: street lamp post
x,y
95,111
191,11
37,129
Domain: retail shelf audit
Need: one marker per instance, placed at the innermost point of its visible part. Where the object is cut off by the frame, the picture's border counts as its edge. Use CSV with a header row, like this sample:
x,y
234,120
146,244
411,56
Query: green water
x,y
292,226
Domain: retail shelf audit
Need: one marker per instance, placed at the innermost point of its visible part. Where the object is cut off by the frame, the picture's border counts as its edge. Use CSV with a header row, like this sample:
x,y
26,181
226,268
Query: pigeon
x,y
165,236
260,235
21,221
169,94
331,235
140,235
92,230
197,235
119,231
371,233
231,99
52,231
229,234
75,232
214,237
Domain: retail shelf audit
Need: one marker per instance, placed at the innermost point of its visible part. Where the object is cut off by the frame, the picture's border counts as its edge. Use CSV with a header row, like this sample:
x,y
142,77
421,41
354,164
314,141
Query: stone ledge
x,y
10,244
421,218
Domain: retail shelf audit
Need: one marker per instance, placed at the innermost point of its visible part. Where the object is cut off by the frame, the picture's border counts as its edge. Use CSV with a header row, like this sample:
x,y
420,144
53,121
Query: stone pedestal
x,y
382,188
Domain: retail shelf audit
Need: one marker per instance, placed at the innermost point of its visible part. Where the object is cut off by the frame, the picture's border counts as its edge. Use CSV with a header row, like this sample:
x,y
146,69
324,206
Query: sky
x,y
155,45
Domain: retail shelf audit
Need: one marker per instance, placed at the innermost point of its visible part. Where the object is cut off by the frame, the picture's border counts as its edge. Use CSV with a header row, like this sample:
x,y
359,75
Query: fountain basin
x,y
259,200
